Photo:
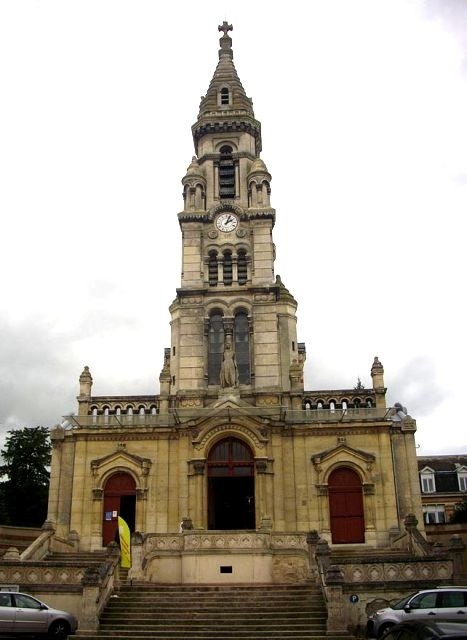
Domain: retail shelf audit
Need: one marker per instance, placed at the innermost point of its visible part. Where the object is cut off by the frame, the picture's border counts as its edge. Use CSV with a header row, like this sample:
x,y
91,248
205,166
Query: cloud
x,y
417,387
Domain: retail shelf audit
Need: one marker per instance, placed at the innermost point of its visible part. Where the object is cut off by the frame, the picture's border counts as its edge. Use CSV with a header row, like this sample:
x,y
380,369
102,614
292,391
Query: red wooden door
x,y
346,507
119,491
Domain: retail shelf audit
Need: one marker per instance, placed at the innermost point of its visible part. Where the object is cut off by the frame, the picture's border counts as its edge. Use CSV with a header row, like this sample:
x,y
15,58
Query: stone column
x,y
89,620
136,572
198,517
312,539
57,436
336,620
96,518
459,562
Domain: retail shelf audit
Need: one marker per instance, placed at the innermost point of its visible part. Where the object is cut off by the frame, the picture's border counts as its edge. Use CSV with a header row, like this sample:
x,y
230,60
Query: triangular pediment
x,y
120,458
427,470
342,451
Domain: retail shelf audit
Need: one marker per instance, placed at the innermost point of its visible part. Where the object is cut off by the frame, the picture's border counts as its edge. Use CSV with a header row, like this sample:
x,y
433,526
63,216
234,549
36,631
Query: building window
x,y
427,481
225,95
213,273
434,514
227,269
216,347
462,478
242,347
226,174
242,271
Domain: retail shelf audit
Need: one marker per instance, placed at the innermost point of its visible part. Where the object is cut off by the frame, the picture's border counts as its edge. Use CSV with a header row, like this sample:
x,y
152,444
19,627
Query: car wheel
x,y
383,628
59,630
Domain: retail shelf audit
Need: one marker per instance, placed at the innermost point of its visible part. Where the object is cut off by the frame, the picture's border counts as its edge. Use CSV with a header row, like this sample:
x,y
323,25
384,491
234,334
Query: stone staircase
x,y
198,612
78,557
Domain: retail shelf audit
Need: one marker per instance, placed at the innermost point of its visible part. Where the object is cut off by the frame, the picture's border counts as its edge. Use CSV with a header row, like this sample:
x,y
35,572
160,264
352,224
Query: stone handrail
x,y
98,584
39,548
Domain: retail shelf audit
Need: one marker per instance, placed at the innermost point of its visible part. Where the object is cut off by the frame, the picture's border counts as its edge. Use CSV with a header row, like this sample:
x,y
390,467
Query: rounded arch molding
x,y
102,469
361,462
211,435
225,206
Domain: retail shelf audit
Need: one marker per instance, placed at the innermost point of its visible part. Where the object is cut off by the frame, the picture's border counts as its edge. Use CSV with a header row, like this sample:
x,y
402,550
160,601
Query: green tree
x,y
25,474
460,512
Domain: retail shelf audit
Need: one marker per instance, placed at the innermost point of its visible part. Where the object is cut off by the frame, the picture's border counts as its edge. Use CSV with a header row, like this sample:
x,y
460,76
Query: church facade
x,y
233,449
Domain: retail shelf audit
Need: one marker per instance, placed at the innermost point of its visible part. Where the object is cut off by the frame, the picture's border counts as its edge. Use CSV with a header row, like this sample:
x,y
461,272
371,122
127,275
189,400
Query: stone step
x,y
220,598
213,612
167,635
237,587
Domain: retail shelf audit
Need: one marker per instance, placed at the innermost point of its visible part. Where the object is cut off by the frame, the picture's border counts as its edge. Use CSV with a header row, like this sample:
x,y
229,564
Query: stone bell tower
x,y
230,308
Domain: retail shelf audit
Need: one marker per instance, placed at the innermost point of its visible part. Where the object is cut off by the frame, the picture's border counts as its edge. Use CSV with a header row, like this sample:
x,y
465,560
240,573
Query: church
x,y
222,474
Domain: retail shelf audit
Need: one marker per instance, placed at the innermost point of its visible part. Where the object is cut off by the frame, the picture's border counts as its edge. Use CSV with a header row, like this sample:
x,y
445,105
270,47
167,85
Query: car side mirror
x,y
43,607
407,608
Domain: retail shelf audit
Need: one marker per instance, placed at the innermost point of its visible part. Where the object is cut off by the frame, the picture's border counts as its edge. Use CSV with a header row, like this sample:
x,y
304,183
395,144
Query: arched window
x,y
213,274
225,95
242,271
242,347
216,347
226,174
227,268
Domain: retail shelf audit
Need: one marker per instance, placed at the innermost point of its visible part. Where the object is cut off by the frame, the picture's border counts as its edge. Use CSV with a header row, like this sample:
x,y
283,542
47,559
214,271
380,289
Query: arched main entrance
x,y
119,500
231,486
346,506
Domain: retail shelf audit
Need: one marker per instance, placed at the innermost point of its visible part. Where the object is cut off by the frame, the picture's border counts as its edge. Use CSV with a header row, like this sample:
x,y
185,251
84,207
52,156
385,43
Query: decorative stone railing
x,y
185,416
37,572
223,541
350,585
203,556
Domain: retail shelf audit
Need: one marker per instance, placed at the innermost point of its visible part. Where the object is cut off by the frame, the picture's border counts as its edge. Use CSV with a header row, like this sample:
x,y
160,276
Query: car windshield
x,y
401,604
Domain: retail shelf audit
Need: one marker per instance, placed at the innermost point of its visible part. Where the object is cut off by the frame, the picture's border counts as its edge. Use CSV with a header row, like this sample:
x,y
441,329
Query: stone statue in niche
x,y
228,374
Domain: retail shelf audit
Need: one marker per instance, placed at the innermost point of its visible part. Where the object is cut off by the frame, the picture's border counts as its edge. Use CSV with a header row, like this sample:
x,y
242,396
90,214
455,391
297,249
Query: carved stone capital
x,y
369,489
323,489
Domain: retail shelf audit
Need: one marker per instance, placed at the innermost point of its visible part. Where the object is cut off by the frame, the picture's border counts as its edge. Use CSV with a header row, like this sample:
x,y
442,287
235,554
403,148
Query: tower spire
x,y
226,106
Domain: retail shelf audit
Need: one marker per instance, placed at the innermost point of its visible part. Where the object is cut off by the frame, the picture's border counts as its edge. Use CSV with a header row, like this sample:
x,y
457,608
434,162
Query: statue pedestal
x,y
229,392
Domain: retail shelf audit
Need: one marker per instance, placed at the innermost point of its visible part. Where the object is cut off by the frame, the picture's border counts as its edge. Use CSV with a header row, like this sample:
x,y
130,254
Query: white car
x,y
446,603
23,614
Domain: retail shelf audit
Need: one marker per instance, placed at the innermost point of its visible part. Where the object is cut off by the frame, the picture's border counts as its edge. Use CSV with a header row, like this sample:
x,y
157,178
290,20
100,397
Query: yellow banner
x,y
125,555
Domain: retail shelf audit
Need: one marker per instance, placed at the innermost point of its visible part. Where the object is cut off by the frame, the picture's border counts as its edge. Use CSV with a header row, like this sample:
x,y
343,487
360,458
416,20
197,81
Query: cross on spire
x,y
225,27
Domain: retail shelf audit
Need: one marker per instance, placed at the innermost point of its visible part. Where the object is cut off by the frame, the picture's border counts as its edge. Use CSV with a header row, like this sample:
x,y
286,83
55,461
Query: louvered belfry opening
x,y
226,174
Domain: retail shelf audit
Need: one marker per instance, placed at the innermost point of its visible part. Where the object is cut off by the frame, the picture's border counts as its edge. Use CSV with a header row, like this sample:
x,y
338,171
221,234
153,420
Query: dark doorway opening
x,y
231,486
232,503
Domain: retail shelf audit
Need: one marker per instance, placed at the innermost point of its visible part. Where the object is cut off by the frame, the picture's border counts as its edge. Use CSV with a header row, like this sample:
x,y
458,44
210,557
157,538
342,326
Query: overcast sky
x,y
363,108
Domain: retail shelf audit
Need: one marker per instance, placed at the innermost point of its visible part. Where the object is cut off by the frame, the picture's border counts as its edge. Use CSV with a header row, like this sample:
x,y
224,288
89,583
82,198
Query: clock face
x,y
226,222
